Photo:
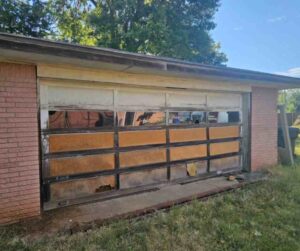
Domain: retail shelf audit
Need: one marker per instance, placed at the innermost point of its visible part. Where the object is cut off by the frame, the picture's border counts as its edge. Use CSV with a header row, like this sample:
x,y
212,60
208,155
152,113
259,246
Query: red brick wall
x,y
264,128
19,150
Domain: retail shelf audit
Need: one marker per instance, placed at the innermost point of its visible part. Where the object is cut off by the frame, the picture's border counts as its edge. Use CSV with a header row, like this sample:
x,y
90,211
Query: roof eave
x,y
132,61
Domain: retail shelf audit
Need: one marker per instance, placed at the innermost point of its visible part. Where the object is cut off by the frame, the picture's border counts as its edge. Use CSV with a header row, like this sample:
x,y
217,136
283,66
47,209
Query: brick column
x,y
264,128
19,143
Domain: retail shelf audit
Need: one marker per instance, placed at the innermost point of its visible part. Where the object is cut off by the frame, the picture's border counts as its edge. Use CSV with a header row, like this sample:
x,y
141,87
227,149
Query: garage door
x,y
100,142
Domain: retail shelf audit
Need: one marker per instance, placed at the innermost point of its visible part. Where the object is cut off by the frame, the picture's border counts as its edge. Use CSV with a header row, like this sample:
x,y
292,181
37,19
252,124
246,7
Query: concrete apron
x,y
82,217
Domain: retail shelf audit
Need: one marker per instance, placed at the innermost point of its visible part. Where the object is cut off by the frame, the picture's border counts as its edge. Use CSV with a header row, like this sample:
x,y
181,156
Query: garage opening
x,y
89,152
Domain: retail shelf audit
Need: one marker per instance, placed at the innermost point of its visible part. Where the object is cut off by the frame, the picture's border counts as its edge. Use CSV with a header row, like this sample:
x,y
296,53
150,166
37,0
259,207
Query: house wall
x,y
19,139
264,128
19,144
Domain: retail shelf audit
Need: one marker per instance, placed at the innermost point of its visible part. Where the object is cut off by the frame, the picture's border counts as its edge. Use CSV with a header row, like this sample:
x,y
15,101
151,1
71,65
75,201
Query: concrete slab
x,y
82,216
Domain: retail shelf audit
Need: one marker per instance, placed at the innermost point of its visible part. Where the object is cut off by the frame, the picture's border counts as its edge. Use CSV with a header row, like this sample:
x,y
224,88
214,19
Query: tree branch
x,y
94,2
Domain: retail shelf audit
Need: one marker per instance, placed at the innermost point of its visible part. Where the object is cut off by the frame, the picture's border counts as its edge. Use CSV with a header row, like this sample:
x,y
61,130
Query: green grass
x,y
265,216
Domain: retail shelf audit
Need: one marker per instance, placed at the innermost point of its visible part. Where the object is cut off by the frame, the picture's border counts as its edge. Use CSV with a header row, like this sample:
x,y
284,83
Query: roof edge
x,y
113,56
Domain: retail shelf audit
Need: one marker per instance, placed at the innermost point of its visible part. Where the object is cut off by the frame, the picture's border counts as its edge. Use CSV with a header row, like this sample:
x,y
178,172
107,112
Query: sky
x,y
260,35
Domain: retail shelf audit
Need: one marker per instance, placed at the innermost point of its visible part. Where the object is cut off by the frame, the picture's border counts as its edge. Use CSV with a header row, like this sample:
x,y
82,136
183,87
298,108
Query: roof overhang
x,y
33,50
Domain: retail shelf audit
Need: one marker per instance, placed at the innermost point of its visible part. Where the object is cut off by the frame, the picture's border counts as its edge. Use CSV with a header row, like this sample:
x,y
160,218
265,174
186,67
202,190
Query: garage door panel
x,y
188,152
142,178
141,99
224,163
80,141
185,135
137,158
224,132
224,148
81,164
82,187
139,138
179,171
224,101
187,100
79,97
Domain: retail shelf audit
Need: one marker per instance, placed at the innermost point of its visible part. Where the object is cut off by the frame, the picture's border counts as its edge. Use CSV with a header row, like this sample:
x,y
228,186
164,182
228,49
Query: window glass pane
x,y
224,117
141,118
196,117
80,119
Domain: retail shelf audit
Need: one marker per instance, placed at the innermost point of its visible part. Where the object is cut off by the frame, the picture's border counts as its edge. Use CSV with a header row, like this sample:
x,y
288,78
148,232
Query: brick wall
x,y
19,150
264,128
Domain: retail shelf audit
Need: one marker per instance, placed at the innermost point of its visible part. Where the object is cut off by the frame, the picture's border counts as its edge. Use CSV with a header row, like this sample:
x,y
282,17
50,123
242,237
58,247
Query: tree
x,y
71,18
179,29
291,99
28,17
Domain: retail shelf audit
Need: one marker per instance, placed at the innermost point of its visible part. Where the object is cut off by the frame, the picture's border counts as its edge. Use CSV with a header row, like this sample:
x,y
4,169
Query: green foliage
x,y
71,21
261,216
28,17
179,29
291,99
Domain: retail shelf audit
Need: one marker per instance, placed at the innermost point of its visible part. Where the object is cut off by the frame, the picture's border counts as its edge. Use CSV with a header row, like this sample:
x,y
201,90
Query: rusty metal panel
x,y
136,158
224,147
188,152
184,135
80,141
224,132
83,187
139,138
81,164
142,178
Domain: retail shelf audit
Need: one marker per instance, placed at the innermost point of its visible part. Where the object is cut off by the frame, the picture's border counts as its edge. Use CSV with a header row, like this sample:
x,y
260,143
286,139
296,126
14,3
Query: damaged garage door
x,y
100,141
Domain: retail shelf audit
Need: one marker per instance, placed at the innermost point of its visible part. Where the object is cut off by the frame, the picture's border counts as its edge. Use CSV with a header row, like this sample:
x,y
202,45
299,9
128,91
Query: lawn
x,y
265,216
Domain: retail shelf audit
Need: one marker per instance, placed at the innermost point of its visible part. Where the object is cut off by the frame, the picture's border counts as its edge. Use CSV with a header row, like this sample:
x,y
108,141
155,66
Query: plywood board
x,y
83,187
81,164
224,132
184,135
141,98
224,163
224,147
143,178
136,158
188,152
80,141
138,138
